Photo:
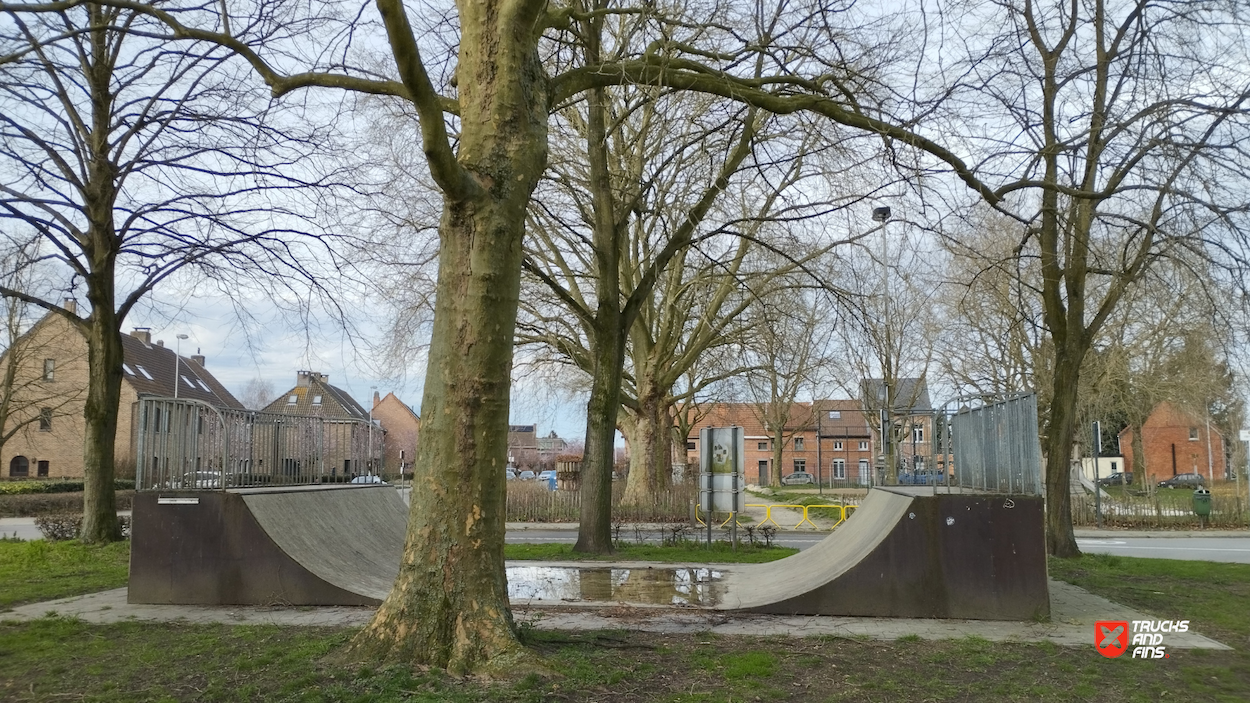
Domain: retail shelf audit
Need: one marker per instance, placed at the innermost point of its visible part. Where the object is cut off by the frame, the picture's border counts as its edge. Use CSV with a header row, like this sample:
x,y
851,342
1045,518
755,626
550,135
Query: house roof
x,y
910,395
313,395
150,370
392,399
849,423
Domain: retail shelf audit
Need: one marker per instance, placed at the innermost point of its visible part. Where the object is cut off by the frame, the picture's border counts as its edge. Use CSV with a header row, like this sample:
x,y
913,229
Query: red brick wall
x,y
1167,433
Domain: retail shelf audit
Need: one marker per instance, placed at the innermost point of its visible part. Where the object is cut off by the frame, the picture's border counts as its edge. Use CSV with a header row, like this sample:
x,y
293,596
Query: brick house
x,y
1176,442
402,426
52,382
352,442
910,412
844,452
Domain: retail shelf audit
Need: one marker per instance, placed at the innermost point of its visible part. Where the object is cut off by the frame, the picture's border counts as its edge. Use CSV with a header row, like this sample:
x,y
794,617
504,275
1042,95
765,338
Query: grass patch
x,y
42,570
1211,595
59,659
720,553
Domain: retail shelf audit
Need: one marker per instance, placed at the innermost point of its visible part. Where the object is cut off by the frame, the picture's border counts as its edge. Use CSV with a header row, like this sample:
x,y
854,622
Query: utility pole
x,y
177,360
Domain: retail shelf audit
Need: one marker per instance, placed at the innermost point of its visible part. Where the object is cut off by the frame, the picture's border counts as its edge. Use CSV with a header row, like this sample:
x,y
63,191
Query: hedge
x,y
12,488
38,504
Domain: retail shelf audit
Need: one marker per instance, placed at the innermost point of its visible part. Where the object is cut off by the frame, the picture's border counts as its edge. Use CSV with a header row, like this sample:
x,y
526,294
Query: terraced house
x,y
44,391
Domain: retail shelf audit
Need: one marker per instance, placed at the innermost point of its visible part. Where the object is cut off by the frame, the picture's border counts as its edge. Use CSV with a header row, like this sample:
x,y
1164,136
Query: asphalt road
x,y
1228,549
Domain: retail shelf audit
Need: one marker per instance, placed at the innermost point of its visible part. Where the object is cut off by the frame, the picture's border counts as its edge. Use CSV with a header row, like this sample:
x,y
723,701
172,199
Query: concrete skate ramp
x,y
907,552
305,545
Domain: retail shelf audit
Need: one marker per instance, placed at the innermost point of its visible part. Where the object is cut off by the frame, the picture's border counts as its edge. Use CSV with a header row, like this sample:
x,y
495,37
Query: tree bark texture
x,y
449,605
594,532
651,451
1060,540
104,387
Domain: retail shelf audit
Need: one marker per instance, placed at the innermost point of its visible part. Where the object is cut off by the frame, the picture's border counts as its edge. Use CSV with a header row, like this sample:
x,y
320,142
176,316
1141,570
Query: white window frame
x,y
839,468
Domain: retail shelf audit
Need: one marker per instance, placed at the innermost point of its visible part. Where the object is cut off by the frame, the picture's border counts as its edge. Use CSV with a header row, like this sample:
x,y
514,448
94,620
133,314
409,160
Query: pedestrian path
x,y
1073,614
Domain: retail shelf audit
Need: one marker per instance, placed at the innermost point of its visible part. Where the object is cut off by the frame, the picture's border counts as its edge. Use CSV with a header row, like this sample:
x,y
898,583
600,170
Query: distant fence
x,y
1145,511
534,502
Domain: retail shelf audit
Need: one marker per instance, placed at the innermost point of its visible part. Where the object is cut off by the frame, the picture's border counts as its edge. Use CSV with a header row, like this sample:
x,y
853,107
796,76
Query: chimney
x,y
304,379
198,358
70,304
143,334
376,399
160,343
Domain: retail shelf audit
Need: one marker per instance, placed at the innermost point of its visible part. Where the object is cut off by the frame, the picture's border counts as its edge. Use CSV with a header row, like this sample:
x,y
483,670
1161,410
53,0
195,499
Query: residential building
x,y
51,383
904,406
351,443
1175,442
402,426
841,456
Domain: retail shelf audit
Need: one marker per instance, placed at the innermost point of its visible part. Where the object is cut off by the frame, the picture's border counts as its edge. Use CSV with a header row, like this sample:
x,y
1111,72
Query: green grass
x,y
792,497
42,570
720,553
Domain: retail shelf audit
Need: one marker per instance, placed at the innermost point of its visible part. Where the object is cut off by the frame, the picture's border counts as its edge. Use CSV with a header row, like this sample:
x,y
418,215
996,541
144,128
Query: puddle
x,y
654,586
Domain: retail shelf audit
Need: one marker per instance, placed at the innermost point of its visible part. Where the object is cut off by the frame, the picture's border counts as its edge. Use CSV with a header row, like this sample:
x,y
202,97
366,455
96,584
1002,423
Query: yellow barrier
x,y
768,514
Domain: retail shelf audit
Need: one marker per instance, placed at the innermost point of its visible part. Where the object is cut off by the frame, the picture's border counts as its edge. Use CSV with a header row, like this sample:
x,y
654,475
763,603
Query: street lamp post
x,y
177,360
372,394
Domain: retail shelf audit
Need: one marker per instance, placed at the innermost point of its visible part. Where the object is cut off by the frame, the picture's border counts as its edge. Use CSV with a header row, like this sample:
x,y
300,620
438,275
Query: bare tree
x,y
131,163
449,604
1117,133
257,394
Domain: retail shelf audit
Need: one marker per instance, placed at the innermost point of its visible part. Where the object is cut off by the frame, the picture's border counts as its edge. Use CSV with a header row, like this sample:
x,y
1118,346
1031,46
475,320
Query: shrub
x,y
36,504
58,528
58,486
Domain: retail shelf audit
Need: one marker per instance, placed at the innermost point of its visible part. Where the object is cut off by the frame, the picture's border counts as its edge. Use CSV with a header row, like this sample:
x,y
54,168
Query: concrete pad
x,y
1073,614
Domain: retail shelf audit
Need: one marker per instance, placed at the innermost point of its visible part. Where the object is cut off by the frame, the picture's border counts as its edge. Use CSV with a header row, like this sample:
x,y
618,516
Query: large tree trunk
x,y
104,384
594,531
1060,540
779,446
449,605
651,451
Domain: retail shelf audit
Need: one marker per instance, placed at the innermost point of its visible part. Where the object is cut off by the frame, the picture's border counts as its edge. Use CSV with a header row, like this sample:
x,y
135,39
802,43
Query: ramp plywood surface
x,y
352,539
755,585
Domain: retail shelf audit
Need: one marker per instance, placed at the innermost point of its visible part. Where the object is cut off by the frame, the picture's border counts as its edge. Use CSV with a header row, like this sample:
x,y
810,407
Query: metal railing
x,y
844,510
187,444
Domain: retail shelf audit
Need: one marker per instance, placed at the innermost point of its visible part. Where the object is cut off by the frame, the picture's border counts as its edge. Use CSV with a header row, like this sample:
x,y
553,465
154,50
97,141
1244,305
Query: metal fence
x,y
191,445
993,443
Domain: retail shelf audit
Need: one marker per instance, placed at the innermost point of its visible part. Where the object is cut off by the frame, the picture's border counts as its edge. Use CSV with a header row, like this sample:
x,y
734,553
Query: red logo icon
x,y
1111,637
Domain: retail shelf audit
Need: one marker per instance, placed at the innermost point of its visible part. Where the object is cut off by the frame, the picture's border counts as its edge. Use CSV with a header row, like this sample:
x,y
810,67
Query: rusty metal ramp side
x,y
761,585
352,538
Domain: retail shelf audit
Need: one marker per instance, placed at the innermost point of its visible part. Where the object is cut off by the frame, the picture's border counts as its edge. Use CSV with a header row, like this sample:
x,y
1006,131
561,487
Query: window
x,y
863,445
144,372
188,382
19,467
1113,465
43,468
45,419
316,400
800,465
202,385
49,369
129,371
798,444
837,445
292,400
839,468
917,434
1193,434
691,446
762,446
835,415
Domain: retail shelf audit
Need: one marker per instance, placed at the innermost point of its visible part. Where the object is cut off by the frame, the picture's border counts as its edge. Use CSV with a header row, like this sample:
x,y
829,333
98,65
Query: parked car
x,y
369,478
510,474
526,475
797,478
924,477
546,475
1118,478
1179,480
